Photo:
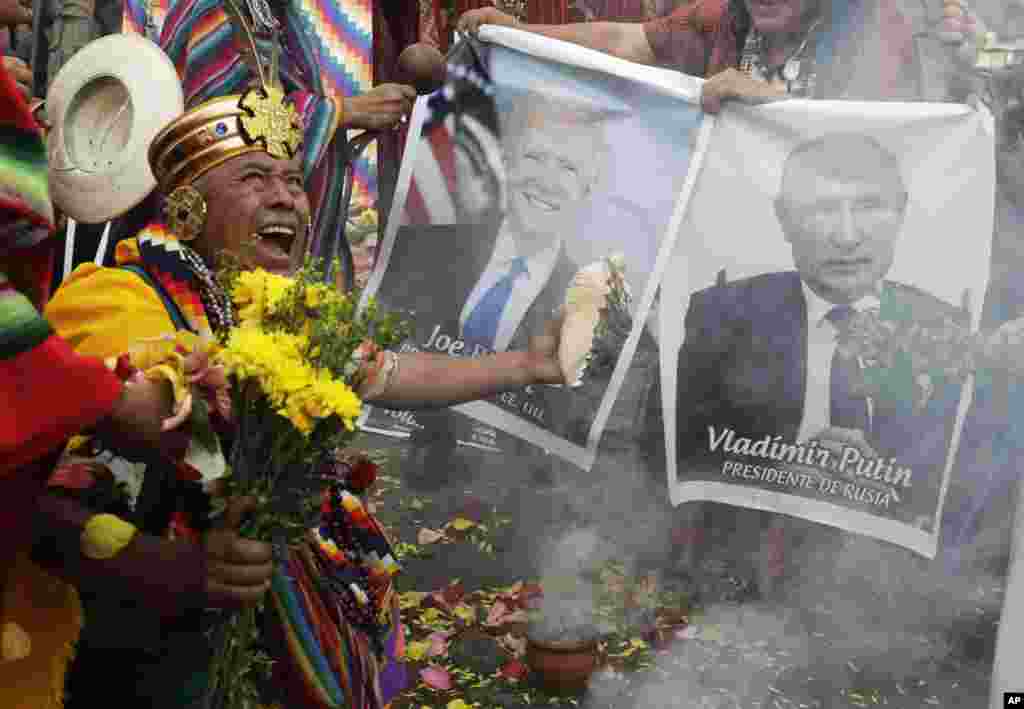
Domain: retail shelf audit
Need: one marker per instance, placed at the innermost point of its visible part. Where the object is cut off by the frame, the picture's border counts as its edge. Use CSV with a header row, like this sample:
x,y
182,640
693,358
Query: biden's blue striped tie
x,y
481,327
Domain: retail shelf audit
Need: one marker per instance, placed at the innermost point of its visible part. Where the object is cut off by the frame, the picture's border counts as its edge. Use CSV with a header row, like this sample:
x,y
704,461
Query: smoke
x,y
569,577
854,617
860,619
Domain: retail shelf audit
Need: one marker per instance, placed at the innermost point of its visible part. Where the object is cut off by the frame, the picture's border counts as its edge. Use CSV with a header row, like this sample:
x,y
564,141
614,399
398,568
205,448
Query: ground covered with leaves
x,y
470,581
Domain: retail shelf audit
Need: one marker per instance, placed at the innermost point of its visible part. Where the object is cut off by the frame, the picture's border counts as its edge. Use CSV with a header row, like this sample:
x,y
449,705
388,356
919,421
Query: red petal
x,y
74,476
436,677
514,669
454,593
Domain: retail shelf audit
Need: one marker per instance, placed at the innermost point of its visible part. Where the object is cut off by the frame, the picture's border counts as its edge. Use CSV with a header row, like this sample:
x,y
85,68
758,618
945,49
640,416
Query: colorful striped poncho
x,y
48,394
33,362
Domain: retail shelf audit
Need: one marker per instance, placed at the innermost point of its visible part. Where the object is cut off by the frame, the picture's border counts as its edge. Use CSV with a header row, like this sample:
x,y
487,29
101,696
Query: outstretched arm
x,y
625,40
425,380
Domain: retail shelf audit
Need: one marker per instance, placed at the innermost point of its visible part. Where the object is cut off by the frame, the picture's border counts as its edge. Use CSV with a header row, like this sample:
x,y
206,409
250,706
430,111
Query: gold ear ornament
x,y
185,212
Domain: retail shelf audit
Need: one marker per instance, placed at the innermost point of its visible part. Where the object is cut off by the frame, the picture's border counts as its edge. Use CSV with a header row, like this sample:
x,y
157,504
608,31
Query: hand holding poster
x,y
808,376
532,181
811,377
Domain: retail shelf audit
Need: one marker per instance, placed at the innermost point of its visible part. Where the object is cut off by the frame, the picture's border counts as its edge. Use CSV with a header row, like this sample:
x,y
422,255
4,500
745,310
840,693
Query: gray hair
x,y
532,109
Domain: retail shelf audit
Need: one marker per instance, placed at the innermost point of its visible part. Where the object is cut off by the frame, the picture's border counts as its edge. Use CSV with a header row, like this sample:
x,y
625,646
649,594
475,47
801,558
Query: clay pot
x,y
563,667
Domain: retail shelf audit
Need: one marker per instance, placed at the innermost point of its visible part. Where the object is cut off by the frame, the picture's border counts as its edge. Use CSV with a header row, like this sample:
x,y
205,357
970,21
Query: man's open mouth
x,y
279,235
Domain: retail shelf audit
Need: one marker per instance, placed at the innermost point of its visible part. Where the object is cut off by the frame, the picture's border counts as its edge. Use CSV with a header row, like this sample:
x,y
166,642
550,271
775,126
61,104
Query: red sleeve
x,y
897,33
680,40
50,394
166,576
882,60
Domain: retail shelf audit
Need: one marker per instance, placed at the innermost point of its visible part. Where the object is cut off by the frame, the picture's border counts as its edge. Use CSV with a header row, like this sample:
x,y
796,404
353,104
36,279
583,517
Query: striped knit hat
x,y
26,214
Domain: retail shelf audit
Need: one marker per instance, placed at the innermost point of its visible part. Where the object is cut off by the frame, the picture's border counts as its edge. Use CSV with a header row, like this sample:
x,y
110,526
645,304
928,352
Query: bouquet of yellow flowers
x,y
296,361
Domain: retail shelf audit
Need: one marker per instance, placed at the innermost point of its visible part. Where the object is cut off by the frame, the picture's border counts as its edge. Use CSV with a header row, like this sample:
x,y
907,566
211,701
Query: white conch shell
x,y
585,298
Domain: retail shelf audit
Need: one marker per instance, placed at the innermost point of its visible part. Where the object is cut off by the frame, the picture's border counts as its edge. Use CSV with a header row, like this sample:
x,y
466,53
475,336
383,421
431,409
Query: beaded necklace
x,y
797,75
219,309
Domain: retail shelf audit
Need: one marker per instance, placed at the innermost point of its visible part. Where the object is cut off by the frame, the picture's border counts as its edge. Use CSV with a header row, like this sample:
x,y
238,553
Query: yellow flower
x,y
274,360
316,294
277,287
257,292
287,376
249,295
338,398
303,408
294,412
162,358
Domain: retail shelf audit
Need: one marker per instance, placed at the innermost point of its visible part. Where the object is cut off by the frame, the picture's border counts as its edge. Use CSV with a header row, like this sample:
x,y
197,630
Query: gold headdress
x,y
259,120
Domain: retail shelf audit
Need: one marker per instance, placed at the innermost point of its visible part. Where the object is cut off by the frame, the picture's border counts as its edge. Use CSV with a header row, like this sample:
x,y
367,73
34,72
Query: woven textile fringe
x,y
334,661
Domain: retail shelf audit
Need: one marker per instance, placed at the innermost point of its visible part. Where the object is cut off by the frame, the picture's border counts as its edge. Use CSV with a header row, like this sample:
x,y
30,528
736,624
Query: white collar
x,y
505,251
818,307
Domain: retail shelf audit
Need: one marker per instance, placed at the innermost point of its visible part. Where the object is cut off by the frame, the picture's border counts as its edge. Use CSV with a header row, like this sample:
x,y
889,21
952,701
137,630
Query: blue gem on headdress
x,y
221,129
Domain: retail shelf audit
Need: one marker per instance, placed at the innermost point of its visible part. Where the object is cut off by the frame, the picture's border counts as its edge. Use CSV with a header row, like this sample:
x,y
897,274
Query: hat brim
x,y
105,106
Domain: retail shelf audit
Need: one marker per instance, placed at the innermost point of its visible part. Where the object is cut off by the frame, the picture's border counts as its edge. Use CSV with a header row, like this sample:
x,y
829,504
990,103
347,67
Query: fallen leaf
x,y
465,613
498,611
515,645
410,599
687,633
500,614
438,643
459,704
615,584
429,616
520,594
461,524
448,597
436,677
454,592
531,595
514,669
428,536
416,650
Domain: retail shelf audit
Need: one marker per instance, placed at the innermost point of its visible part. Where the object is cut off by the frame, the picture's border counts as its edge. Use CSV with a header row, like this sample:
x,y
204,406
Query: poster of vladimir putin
x,y
534,189
809,374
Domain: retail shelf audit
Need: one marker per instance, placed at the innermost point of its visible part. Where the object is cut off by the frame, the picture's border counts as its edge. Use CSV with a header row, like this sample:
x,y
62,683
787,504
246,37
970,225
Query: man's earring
x,y
185,213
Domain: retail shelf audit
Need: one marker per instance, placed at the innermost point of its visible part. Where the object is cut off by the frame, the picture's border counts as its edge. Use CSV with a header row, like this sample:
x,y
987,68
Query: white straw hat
x,y
105,106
